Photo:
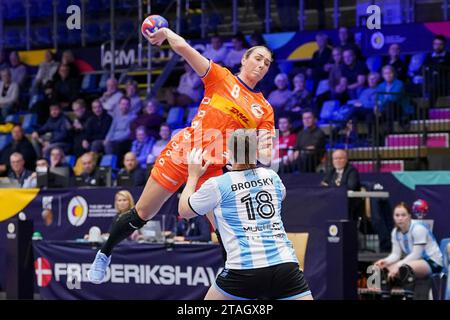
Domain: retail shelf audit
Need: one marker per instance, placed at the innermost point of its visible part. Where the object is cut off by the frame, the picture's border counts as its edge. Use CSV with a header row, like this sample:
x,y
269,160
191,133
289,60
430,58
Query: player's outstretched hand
x,y
156,38
195,163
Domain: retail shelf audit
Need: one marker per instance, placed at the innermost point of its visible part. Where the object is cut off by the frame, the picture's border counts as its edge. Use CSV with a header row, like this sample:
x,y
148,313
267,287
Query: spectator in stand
x,y
216,51
89,165
279,97
97,127
20,144
347,41
131,167
391,99
58,159
132,94
9,93
343,174
68,59
354,72
365,105
234,56
67,87
164,133
286,144
310,146
3,62
394,60
440,56
112,95
42,107
79,126
300,99
150,119
321,57
46,71
189,89
55,132
142,146
117,141
18,69
18,172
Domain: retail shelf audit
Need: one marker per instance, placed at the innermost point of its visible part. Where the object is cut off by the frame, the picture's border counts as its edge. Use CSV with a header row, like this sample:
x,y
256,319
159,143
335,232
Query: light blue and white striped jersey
x,y
418,234
247,212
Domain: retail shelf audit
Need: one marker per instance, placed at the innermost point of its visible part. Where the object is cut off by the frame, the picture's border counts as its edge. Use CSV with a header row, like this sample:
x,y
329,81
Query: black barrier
x,y
19,257
342,262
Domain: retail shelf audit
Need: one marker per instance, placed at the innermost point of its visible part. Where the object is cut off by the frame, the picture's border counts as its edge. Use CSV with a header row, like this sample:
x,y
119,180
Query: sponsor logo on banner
x,y
43,269
166,275
77,211
377,40
333,232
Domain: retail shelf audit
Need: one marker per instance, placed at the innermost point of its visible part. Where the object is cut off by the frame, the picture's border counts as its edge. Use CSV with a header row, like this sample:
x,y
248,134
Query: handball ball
x,y
420,208
153,23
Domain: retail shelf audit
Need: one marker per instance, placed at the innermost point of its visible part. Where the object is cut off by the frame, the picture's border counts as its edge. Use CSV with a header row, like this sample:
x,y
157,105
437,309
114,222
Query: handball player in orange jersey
x,y
230,102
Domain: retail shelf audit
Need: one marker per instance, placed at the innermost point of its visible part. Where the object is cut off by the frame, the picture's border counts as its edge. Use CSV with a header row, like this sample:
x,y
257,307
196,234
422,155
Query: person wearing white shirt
x,y
189,88
216,51
9,92
110,99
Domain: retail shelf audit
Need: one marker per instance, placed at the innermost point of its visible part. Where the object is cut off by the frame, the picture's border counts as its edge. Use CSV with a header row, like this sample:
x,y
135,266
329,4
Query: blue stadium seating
x,y
105,31
191,114
15,10
34,9
416,62
102,83
14,118
195,23
62,6
12,38
5,139
29,122
71,160
93,33
89,83
322,87
109,160
45,8
43,36
175,117
62,35
374,63
214,19
94,6
328,108
126,29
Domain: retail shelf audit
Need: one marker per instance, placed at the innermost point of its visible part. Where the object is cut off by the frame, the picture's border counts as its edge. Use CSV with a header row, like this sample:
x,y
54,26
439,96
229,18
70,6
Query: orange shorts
x,y
172,176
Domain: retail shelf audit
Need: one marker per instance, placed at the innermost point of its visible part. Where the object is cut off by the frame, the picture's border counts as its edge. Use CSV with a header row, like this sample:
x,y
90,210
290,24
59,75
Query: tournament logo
x,y
377,40
77,211
43,270
333,230
257,110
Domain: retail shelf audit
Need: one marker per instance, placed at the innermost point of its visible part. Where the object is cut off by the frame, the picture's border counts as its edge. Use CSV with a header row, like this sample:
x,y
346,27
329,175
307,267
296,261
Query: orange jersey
x,y
228,104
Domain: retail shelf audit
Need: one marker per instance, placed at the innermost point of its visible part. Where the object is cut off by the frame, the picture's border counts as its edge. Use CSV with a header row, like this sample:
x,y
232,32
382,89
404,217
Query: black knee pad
x,y
132,219
407,279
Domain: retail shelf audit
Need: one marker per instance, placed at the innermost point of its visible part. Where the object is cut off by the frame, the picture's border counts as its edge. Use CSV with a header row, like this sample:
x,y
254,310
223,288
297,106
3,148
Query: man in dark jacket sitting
x,y
344,175
55,132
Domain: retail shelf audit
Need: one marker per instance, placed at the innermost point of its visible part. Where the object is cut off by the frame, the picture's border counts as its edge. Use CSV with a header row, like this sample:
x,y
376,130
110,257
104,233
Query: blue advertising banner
x,y
137,271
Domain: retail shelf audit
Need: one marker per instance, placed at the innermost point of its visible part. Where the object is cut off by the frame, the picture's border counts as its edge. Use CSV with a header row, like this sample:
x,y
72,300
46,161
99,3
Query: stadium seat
x,y
12,38
328,109
214,19
195,23
374,63
126,29
5,139
29,122
89,83
62,35
62,6
416,62
309,85
175,117
94,6
439,280
102,83
93,33
191,114
16,10
14,118
109,160
285,66
43,36
70,160
45,8
322,87
105,31
34,9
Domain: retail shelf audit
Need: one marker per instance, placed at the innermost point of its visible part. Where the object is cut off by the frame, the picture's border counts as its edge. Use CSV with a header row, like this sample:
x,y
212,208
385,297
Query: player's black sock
x,y
122,228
